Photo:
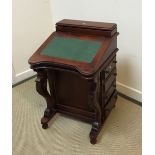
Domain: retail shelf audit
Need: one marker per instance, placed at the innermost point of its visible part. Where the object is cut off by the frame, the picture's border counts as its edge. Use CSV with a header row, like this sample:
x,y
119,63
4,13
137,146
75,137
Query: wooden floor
x,y
121,134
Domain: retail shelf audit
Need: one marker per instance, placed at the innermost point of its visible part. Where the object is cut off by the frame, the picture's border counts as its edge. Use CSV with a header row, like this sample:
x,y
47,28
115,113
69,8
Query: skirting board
x,y
129,91
23,76
124,89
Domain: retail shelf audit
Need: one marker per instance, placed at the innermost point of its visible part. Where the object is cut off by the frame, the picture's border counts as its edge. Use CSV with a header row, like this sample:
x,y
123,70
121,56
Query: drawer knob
x,y
110,67
107,72
115,61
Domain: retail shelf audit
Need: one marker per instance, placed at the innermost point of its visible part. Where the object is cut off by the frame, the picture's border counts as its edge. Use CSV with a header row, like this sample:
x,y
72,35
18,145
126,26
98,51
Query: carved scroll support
x,y
41,87
94,100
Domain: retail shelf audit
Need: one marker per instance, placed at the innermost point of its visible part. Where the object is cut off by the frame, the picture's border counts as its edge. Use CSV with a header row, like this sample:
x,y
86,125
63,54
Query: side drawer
x,y
107,83
108,107
110,91
110,67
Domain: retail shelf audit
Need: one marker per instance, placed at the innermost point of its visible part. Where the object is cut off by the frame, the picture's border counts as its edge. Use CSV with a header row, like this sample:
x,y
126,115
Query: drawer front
x,y
108,107
110,91
108,82
110,67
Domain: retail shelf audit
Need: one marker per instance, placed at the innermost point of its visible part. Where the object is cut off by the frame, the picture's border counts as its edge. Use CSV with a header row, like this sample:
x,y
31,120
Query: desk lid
x,y
87,24
72,49
79,52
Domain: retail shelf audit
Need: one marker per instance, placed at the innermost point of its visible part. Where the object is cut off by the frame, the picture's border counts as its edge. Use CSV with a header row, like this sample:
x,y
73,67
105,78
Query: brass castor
x,y
45,126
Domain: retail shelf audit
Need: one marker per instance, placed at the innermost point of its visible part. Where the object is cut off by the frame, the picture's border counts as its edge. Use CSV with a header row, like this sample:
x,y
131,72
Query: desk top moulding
x,y
79,62
81,46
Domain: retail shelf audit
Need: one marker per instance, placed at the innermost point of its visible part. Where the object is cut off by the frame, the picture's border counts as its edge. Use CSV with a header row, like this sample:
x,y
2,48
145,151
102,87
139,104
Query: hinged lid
x,y
77,46
86,27
87,24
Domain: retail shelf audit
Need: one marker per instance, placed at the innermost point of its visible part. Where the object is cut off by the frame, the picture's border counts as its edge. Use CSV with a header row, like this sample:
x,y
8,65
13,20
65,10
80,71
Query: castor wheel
x,y
93,141
44,126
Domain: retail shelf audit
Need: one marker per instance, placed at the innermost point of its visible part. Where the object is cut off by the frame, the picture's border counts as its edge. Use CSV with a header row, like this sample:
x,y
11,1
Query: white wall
x,y
32,24
127,15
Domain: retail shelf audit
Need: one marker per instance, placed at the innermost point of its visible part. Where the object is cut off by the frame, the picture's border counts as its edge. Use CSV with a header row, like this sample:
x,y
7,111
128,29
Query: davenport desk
x,y
78,61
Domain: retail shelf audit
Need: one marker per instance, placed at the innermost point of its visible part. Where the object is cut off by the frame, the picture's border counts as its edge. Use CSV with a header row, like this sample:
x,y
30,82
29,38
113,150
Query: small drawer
x,y
107,83
108,107
110,67
110,91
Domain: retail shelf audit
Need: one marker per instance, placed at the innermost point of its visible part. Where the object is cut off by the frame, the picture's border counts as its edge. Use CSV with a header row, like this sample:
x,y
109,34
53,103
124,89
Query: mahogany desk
x,y
79,63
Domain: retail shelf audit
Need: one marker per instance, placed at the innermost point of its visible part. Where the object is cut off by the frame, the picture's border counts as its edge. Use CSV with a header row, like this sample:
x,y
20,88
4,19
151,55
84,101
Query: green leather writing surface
x,y
72,48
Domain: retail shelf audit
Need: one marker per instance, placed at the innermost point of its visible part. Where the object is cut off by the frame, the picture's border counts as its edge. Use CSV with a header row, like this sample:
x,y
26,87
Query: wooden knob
x,y
115,61
110,67
106,72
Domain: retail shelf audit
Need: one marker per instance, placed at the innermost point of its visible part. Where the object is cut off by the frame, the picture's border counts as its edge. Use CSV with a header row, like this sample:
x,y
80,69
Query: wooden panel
x,y
72,90
75,110
78,116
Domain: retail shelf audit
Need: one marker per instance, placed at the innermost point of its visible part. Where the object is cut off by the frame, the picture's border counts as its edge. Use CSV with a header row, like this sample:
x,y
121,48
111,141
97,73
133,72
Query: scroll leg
x,y
41,87
94,98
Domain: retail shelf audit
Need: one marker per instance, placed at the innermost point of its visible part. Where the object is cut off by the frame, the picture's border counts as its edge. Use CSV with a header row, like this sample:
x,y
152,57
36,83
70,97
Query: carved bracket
x,y
94,100
41,87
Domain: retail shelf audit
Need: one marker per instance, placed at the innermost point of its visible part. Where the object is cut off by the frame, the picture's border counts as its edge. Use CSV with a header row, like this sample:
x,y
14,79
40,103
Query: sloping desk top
x,y
81,52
